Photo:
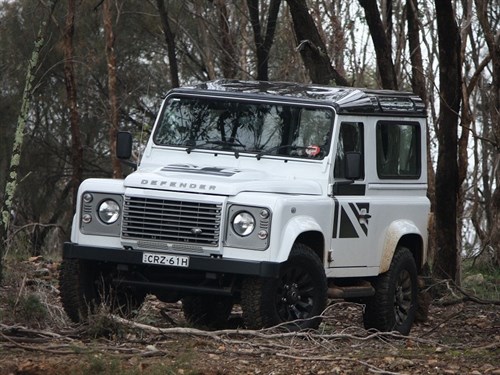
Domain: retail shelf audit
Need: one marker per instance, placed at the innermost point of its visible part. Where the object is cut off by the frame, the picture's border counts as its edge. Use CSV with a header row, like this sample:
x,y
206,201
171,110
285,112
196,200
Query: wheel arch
x,y
304,230
402,233
314,240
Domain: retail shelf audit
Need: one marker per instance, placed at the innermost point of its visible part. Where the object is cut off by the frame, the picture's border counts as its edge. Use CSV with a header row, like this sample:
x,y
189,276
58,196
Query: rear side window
x,y
398,150
350,140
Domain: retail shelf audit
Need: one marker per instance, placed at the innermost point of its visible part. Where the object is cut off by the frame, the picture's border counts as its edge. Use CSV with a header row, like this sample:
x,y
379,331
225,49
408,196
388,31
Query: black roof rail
x,y
345,100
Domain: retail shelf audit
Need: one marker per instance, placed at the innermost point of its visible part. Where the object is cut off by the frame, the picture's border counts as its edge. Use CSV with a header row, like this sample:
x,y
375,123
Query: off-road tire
x,y
394,304
77,288
298,296
84,286
207,311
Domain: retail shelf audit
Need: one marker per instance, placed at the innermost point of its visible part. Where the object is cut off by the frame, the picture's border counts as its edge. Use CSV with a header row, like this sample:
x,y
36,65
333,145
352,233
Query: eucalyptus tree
x,y
12,178
263,38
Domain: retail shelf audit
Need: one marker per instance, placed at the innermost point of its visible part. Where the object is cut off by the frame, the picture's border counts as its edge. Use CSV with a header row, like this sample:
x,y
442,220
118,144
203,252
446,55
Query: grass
x,y
27,300
482,280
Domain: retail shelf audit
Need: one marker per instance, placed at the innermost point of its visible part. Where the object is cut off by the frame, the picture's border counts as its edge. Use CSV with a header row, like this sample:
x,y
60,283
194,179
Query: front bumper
x,y
198,263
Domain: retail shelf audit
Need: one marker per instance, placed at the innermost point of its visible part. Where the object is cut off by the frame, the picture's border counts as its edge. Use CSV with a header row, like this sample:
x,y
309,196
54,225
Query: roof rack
x,y
345,100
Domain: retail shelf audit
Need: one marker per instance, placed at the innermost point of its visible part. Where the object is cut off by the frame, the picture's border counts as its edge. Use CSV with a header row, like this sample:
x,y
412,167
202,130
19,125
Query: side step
x,y
364,289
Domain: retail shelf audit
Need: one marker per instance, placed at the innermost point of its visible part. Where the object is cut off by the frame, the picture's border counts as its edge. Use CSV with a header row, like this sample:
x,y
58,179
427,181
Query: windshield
x,y
244,127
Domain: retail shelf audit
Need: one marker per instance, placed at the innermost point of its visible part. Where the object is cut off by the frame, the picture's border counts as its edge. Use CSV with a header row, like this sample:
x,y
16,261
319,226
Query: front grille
x,y
163,220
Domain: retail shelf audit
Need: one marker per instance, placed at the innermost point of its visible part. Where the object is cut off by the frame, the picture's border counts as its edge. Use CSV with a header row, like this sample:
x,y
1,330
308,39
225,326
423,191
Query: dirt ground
x,y
459,338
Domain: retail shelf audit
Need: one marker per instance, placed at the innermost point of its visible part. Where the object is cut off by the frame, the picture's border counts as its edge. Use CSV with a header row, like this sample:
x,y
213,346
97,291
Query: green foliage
x,y
27,297
100,324
23,307
31,309
43,193
482,280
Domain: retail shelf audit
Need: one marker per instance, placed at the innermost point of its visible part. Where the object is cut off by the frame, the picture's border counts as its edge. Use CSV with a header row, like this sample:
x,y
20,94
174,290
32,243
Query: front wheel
x,y
394,304
85,285
297,297
76,287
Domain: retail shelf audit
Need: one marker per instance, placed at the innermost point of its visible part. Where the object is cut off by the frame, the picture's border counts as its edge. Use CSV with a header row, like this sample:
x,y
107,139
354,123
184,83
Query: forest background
x,y
75,72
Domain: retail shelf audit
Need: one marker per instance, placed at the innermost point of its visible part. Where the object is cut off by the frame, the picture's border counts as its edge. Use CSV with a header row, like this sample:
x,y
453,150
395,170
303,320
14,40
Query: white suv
x,y
274,196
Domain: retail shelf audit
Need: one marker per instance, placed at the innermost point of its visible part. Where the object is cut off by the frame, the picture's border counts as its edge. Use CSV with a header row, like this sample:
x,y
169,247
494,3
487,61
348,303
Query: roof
x,y
345,100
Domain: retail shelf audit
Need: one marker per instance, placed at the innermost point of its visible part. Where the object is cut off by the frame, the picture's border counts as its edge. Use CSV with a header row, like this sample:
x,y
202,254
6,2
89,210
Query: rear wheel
x,y
297,297
394,304
84,286
207,311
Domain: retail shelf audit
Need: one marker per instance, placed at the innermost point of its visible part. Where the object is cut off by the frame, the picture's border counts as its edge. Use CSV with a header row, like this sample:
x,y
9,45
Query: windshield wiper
x,y
277,148
235,143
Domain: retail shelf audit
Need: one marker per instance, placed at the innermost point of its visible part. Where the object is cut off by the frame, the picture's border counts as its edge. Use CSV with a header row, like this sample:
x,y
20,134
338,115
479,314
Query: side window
x,y
398,150
350,140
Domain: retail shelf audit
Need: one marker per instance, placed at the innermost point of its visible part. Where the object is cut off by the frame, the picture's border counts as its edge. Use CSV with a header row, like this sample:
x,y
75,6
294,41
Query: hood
x,y
218,180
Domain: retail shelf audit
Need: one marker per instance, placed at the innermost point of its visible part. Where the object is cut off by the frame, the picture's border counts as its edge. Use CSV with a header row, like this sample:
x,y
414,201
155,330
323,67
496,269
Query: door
x,y
352,216
392,160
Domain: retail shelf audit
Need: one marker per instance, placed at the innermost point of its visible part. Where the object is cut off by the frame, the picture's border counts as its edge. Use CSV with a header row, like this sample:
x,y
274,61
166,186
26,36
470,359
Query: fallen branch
x,y
20,330
451,285
442,324
267,333
469,297
35,348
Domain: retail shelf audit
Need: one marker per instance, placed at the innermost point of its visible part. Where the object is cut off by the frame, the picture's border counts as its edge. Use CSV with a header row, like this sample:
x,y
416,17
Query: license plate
x,y
165,259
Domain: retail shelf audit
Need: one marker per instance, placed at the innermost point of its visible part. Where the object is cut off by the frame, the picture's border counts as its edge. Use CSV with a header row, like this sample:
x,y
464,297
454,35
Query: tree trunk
x,y
381,44
387,13
419,85
170,39
493,42
228,54
446,261
112,86
338,37
12,179
311,46
69,80
263,45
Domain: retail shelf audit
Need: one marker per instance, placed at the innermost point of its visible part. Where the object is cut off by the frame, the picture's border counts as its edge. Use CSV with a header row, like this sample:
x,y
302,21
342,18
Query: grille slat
x,y
171,221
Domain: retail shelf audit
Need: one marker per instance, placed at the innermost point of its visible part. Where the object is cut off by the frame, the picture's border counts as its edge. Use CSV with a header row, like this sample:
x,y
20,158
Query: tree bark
x,y
12,178
419,85
263,44
446,261
69,80
387,13
493,42
112,86
228,54
170,40
381,45
338,37
311,47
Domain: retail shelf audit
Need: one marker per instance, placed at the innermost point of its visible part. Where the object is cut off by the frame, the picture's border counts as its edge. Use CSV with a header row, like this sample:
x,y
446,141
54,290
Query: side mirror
x,y
123,145
353,165
124,148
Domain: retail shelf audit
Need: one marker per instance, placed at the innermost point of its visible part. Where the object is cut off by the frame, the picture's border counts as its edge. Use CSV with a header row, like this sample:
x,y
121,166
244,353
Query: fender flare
x,y
293,229
393,235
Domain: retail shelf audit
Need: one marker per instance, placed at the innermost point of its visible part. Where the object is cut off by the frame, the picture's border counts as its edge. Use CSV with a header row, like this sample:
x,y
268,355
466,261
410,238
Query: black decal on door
x,y
353,219
335,218
347,229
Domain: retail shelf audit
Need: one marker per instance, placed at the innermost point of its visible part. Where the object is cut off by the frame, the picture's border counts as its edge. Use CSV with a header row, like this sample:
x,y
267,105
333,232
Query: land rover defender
x,y
275,196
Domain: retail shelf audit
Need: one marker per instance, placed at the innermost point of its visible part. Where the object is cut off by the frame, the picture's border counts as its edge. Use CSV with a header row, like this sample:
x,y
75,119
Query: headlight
x,y
109,211
248,227
243,223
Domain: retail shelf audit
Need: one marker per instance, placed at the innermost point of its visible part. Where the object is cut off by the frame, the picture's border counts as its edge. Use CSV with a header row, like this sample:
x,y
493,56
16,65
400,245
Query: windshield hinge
x,y
330,190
